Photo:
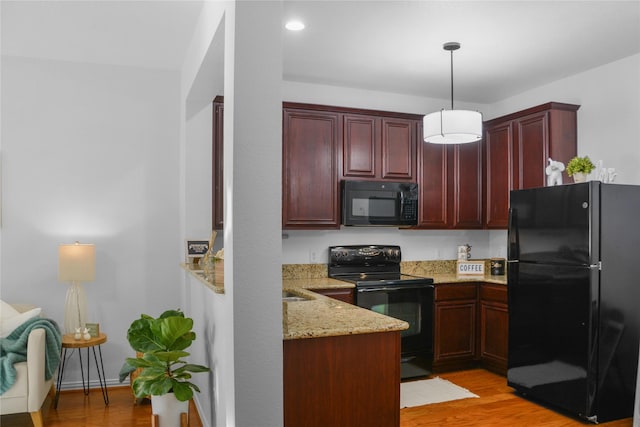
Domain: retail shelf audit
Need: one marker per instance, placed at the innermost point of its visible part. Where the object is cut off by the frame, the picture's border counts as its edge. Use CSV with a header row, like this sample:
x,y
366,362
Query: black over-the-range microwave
x,y
379,203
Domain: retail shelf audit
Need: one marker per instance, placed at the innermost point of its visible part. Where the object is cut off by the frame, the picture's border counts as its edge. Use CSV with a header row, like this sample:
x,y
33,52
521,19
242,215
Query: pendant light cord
x,y
451,79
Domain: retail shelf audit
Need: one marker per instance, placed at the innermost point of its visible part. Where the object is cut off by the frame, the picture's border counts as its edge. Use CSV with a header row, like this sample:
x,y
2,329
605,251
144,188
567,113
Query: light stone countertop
x,y
453,278
322,316
199,274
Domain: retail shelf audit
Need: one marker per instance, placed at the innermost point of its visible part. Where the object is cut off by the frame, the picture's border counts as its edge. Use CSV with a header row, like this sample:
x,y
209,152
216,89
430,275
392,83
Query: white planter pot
x,y
579,177
168,409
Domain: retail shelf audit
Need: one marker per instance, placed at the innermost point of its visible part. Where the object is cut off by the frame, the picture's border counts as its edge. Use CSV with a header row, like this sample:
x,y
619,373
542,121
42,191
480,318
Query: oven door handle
x,y
393,288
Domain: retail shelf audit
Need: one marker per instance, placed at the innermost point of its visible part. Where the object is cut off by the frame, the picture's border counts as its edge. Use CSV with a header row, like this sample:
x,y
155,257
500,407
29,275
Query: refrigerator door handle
x,y
513,249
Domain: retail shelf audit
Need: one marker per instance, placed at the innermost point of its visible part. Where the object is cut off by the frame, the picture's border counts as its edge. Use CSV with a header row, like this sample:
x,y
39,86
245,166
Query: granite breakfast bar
x,y
334,353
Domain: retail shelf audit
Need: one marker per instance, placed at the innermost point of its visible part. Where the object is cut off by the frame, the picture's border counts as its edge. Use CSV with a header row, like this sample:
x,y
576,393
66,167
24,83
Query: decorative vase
x,y
579,177
208,266
168,409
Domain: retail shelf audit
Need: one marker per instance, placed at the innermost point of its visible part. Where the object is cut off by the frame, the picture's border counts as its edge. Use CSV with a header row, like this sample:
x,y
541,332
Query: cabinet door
x,y
494,327
310,193
466,190
433,171
398,149
218,172
455,324
378,148
531,150
455,331
361,147
498,177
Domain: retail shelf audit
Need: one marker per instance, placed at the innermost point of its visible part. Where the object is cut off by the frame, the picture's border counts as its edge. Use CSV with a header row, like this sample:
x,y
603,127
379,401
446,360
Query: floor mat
x,y
434,390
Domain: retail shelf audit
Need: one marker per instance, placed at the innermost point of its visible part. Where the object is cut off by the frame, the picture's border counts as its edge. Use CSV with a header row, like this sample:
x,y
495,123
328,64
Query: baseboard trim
x,y
77,385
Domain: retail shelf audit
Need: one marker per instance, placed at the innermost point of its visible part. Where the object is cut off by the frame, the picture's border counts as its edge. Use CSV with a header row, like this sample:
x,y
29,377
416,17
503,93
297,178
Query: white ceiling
x,y
395,46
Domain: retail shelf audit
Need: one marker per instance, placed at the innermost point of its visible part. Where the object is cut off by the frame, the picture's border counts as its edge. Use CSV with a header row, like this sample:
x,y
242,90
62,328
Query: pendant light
x,y
452,126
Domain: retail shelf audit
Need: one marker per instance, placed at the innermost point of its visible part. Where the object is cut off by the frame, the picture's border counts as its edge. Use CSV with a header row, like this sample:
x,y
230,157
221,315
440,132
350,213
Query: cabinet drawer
x,y
497,293
341,294
455,291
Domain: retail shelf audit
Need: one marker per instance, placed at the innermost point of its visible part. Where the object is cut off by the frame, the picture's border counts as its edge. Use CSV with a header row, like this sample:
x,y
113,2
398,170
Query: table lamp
x,y
76,264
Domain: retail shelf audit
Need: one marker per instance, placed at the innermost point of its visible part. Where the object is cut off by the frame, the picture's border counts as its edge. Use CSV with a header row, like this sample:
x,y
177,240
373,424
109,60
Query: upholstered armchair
x,y
30,389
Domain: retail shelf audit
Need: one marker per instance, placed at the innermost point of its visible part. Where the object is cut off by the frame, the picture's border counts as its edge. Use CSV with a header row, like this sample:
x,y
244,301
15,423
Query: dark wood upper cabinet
x,y
499,176
310,190
450,185
398,149
218,161
433,185
360,147
462,186
466,185
377,147
517,149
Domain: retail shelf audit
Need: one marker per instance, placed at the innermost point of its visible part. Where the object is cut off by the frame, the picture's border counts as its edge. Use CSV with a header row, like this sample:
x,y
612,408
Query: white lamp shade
x,y
452,127
76,262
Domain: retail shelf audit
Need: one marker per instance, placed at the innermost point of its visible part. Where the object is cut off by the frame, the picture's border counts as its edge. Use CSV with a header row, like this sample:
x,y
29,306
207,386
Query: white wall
x,y
242,329
367,99
311,247
89,154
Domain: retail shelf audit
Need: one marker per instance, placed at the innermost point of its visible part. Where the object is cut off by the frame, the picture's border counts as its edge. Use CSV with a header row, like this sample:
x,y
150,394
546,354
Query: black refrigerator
x,y
574,297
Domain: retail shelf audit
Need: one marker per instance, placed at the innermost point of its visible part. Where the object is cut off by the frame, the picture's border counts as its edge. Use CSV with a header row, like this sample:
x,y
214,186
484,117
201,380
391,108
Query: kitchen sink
x,y
291,297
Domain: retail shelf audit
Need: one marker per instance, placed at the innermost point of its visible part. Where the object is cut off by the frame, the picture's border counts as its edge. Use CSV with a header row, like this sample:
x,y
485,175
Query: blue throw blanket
x,y
13,349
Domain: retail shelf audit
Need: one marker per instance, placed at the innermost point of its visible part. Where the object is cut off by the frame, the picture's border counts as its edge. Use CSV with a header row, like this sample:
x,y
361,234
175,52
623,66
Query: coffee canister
x,y
497,266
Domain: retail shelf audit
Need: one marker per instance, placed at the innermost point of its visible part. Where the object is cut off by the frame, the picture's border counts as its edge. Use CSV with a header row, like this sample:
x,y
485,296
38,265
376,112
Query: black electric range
x,y
381,287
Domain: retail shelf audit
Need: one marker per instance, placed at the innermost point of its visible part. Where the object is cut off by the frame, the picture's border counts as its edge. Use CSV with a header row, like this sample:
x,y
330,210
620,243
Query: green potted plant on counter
x,y
579,168
162,372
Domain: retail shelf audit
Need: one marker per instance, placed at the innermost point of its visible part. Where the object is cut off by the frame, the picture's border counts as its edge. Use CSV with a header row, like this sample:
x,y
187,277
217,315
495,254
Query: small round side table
x,y
69,342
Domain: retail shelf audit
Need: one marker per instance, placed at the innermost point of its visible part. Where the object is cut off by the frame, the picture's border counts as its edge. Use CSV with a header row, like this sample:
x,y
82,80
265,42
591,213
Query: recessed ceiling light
x,y
294,25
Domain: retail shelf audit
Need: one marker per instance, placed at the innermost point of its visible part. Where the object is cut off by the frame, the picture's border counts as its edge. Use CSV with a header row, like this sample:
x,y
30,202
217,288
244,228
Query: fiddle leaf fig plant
x,y
162,343
580,165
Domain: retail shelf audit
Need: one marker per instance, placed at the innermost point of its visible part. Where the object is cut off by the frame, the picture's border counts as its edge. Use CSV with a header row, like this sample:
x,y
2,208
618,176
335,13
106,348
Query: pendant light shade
x,y
452,126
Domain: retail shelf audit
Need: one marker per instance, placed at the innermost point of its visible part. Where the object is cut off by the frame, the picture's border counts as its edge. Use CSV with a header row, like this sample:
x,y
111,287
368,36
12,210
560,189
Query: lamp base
x,y
75,308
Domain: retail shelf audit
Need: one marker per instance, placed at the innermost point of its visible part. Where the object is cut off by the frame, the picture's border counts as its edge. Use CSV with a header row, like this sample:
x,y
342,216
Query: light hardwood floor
x,y
77,410
497,406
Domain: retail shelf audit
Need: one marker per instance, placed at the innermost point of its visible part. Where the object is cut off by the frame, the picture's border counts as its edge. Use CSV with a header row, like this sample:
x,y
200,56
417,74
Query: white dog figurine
x,y
554,173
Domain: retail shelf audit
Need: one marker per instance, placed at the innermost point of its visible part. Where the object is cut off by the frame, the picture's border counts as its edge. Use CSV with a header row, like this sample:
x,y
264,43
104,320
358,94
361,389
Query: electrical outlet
x,y
313,257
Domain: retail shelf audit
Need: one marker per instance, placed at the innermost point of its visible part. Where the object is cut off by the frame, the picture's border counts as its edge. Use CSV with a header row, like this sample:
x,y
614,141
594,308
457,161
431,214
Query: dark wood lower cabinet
x,y
345,295
454,335
470,327
346,381
494,327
